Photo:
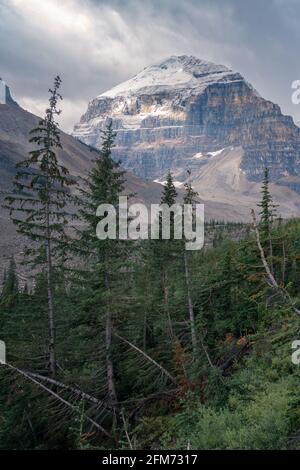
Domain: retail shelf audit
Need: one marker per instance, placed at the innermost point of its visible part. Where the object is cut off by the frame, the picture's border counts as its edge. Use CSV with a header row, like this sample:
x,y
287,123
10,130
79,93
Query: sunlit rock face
x,y
173,112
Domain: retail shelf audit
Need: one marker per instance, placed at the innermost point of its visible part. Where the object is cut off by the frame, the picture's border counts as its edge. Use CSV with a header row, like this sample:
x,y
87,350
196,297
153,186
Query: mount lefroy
x,y
186,113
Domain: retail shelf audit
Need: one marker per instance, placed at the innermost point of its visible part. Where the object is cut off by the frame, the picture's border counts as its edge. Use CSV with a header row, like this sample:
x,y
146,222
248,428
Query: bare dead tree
x,y
56,396
270,277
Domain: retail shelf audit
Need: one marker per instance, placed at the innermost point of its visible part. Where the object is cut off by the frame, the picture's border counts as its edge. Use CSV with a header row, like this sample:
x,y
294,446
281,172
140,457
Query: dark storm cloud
x,y
94,44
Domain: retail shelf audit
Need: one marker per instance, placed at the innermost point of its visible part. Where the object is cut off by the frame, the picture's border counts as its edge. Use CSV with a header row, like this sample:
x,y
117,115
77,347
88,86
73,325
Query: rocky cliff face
x,y
173,112
5,95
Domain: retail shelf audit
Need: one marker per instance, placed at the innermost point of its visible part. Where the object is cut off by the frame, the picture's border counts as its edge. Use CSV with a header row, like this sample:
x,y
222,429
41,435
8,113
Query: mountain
x,y
15,125
5,96
183,113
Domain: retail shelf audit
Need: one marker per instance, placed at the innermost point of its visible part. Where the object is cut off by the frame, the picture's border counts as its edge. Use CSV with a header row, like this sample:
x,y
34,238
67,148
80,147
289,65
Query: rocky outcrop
x,y
5,95
171,112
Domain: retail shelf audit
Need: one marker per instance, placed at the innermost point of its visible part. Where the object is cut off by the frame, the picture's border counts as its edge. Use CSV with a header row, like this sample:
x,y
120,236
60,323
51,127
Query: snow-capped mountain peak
x,y
176,72
185,113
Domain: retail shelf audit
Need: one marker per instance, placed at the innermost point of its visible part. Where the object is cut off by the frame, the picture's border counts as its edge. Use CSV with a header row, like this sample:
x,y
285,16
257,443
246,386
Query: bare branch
x,y
126,430
76,391
161,368
283,292
55,395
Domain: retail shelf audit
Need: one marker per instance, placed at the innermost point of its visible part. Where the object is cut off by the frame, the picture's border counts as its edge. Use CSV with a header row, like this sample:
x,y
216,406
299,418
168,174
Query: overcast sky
x,y
95,44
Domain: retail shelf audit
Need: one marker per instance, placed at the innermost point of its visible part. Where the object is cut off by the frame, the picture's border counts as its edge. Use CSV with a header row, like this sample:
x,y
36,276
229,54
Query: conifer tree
x,y
38,205
164,250
10,285
169,193
190,198
9,299
267,214
104,184
268,208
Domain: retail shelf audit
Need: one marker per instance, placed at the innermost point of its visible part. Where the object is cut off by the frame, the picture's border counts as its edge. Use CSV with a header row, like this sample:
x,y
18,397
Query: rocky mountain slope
x,y
173,113
15,125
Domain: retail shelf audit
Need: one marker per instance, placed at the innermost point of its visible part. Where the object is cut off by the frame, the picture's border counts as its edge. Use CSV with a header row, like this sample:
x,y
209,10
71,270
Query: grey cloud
x,y
94,44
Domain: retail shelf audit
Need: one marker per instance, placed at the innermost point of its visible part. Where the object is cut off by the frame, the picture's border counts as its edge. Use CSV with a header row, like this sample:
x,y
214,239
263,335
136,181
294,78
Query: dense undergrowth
x,y
239,391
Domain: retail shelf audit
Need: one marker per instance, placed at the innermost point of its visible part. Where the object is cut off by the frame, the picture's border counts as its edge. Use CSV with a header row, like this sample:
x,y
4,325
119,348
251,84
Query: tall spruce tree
x,y
267,216
168,197
38,205
190,198
268,208
169,193
104,184
10,285
164,251
9,300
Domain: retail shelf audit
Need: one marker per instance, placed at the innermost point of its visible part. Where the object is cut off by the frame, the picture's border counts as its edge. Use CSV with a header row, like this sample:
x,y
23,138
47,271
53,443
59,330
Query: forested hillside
x,y
142,344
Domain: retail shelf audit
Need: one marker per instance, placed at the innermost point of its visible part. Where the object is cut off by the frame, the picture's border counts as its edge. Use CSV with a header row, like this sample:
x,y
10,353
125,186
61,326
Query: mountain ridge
x,y
173,111
15,125
175,71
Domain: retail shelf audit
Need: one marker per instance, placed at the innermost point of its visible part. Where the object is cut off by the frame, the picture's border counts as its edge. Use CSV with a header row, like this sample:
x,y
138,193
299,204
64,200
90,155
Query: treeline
x,y
119,344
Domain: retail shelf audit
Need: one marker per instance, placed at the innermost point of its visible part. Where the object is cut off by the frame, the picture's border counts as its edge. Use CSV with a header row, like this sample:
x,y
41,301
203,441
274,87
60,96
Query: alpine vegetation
x,y
127,321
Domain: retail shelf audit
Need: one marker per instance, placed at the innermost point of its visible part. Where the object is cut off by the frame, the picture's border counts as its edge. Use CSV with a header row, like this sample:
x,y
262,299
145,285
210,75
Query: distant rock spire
x,y
2,92
5,96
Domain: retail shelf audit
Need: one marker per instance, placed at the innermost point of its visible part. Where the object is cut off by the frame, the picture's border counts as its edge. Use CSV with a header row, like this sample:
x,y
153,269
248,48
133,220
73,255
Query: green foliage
x,y
38,205
259,411
263,423
9,292
124,333
169,193
268,208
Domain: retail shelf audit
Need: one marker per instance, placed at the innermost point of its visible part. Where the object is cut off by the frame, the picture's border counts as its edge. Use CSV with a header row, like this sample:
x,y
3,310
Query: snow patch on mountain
x,y
177,72
177,184
217,152
200,155
157,97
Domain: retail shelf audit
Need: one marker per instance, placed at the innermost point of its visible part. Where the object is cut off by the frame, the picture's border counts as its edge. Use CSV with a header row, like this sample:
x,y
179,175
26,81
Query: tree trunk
x,y
166,302
190,305
51,318
283,264
272,281
271,250
108,343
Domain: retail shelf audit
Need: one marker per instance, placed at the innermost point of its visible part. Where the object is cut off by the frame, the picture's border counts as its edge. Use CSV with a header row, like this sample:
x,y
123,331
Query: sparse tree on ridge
x,y
267,215
190,198
268,208
38,205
